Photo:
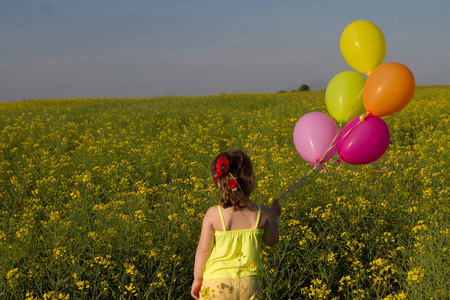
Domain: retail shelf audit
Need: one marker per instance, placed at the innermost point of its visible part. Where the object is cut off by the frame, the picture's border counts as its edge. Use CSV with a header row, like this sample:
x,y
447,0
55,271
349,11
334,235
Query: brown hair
x,y
241,169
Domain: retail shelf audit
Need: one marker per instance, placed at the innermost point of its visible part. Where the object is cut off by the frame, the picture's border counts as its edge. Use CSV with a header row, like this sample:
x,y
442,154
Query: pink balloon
x,y
313,135
363,142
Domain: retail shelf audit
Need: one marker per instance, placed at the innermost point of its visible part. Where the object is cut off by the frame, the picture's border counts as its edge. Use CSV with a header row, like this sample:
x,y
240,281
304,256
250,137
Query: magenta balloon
x,y
313,135
365,142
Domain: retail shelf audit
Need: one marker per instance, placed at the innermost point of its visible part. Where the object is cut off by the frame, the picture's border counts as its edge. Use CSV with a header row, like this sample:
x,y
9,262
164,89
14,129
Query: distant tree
x,y
303,88
282,91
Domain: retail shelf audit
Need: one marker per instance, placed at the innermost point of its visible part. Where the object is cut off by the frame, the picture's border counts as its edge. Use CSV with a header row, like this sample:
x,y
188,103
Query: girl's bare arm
x,y
203,251
271,233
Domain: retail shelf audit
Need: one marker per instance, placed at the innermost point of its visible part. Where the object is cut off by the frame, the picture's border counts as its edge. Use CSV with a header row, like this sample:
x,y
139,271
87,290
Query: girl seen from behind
x,y
227,261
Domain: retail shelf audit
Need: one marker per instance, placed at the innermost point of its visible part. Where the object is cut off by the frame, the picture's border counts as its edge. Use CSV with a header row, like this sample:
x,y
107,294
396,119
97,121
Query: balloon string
x,y
341,125
334,142
297,183
351,109
317,165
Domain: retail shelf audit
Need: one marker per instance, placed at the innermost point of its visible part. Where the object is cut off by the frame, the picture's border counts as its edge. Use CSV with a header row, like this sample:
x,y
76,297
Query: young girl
x,y
227,261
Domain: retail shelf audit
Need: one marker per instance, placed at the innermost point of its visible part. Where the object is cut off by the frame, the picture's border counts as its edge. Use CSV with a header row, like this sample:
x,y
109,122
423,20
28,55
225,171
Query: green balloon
x,y
344,96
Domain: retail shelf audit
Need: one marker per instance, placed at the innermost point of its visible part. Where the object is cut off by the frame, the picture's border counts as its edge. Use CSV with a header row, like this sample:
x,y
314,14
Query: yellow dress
x,y
235,264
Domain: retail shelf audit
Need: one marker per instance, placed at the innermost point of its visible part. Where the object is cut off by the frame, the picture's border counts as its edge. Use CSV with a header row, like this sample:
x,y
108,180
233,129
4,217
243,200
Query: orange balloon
x,y
388,89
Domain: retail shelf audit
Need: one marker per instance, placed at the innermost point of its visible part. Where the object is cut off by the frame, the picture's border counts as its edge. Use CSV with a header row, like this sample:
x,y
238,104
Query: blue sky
x,y
142,48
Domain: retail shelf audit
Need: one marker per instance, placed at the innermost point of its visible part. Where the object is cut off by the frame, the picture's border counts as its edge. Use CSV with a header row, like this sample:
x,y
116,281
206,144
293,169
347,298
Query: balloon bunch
x,y
356,103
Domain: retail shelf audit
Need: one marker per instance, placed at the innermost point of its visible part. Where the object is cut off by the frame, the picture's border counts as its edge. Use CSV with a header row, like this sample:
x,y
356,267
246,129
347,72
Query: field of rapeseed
x,y
103,198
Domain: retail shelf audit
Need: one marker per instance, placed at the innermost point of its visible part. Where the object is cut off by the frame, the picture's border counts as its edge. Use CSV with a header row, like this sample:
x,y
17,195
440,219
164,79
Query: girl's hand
x,y
276,208
196,286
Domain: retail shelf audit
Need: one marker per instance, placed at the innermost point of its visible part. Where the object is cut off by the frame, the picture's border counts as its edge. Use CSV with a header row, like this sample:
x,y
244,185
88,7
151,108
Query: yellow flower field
x,y
104,198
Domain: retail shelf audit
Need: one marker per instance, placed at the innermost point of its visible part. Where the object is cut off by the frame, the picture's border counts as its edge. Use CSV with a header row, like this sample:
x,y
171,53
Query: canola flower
x,y
103,198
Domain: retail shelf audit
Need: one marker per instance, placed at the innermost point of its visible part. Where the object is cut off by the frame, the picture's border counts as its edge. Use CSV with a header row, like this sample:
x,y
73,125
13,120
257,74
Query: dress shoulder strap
x,y
258,217
221,218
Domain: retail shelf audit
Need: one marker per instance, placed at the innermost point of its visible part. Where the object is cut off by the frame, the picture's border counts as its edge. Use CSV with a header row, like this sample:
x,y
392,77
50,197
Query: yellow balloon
x,y
363,46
